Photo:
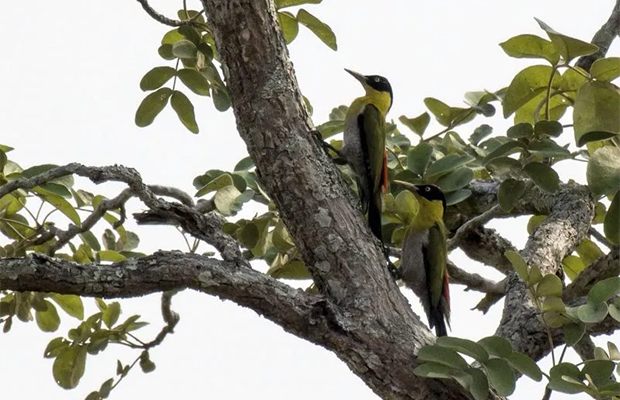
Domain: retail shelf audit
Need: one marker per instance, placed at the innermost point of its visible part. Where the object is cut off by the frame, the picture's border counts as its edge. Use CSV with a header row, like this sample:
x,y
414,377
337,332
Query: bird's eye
x,y
377,80
428,189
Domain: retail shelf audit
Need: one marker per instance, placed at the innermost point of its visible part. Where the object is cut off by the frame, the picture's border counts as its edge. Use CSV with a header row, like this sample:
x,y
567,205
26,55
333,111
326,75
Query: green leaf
x,y
505,149
550,128
151,106
567,46
557,382
290,3
522,130
48,320
595,113
111,313
418,124
69,366
526,85
591,313
480,133
534,222
244,164
501,376
221,101
155,78
55,347
61,204
518,263
225,200
455,180
550,285
547,148
320,29
457,196
525,365
465,346
611,226
572,80
441,111
442,355
447,164
603,171
543,176
111,255
434,370
573,265
215,184
406,205
504,166
534,275
530,46
604,290
90,239
71,304
419,157
185,110
289,25
605,69
194,80
248,235
510,191
479,387
165,52
184,49
600,371
496,346
573,332
295,269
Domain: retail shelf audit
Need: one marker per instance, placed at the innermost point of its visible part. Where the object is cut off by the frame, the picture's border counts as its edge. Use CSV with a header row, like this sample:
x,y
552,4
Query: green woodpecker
x,y
424,255
364,144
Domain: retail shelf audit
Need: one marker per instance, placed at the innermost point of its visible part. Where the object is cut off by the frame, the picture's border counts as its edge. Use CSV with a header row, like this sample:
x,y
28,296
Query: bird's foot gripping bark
x,y
339,159
390,265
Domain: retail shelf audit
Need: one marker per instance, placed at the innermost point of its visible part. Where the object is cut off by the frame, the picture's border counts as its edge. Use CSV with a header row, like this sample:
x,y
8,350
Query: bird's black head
x,y
431,192
378,83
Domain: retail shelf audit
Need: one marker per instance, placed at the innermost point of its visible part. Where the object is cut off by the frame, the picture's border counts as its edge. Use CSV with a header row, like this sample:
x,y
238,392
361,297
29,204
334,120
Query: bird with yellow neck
x,y
364,144
423,265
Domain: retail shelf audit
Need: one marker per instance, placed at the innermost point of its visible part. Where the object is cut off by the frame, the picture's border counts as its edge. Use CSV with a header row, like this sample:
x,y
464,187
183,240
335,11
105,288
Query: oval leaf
x,y
320,29
501,376
611,225
603,171
155,78
543,176
151,106
526,85
530,46
185,110
595,113
606,69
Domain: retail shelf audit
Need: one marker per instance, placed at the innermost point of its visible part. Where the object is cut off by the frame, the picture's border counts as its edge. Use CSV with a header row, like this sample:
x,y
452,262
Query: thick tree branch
x,y
571,212
346,263
293,309
603,38
605,267
487,246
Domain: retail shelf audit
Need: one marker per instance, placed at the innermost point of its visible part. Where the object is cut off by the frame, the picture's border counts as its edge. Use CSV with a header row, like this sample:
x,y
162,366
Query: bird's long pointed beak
x,y
356,75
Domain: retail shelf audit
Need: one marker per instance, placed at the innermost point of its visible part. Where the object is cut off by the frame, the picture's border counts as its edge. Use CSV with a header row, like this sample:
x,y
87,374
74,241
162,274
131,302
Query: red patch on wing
x,y
446,288
384,174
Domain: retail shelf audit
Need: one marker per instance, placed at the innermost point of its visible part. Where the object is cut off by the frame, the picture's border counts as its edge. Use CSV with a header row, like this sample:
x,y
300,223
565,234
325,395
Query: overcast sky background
x,y
70,75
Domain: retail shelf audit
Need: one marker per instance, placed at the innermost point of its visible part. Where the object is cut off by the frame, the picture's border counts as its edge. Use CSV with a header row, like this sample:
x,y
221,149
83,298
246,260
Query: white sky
x,y
70,76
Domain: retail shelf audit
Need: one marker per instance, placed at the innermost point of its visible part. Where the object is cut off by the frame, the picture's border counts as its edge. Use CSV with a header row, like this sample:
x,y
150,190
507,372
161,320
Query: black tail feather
x,y
436,319
374,220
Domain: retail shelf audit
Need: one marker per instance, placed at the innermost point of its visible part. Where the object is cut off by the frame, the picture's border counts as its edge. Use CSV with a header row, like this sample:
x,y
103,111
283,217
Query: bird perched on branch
x,y
423,265
364,144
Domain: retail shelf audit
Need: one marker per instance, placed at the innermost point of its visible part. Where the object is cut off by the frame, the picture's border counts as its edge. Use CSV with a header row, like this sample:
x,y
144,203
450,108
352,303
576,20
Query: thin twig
x,y
473,281
473,224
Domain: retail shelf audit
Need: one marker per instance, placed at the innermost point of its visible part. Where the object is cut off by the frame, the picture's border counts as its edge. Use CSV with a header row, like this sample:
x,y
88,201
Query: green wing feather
x,y
436,256
374,132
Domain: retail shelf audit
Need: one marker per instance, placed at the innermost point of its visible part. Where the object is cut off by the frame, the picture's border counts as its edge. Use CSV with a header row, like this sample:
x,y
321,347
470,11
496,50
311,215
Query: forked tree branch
x,y
603,38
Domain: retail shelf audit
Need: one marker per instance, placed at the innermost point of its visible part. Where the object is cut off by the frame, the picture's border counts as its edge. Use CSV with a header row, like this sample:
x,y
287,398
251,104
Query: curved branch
x,y
293,309
605,267
572,210
603,38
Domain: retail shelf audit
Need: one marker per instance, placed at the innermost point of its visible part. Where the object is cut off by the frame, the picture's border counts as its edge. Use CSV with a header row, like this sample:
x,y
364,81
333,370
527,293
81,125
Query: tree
x,y
369,326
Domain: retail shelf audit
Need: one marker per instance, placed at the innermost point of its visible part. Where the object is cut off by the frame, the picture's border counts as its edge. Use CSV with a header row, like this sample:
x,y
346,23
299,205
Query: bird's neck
x,y
429,214
381,100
